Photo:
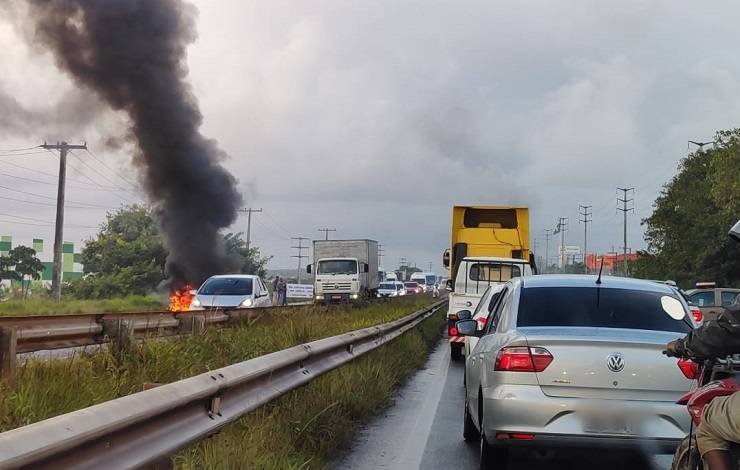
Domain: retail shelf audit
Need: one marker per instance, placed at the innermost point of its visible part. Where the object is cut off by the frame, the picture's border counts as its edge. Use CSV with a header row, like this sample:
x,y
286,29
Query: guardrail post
x,y
192,324
8,342
120,333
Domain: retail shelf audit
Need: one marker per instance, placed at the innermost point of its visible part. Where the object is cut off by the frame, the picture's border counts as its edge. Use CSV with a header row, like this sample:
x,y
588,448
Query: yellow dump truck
x,y
488,245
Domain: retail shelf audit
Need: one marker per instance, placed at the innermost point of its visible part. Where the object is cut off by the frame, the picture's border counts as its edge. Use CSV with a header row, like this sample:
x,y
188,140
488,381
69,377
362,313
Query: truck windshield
x,y
493,272
431,280
337,266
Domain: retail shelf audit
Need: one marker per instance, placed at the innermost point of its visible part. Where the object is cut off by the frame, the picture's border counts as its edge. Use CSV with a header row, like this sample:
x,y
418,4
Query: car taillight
x,y
690,369
452,331
522,359
697,315
482,321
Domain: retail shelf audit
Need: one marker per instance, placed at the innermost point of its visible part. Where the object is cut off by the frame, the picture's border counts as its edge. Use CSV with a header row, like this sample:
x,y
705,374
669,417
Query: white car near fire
x,y
231,291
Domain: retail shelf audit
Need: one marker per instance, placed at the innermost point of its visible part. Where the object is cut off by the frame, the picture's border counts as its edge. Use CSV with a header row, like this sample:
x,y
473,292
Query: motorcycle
x,y
716,377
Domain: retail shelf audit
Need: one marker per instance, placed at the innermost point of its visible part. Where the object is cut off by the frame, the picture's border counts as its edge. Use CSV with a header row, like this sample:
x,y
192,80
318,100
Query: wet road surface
x,y
422,429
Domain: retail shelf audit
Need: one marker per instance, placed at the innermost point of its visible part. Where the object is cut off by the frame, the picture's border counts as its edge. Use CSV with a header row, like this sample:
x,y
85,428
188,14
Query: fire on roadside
x,y
180,299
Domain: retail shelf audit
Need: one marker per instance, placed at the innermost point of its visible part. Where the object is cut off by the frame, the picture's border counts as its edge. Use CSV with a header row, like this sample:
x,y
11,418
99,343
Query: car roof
x,y
584,280
239,276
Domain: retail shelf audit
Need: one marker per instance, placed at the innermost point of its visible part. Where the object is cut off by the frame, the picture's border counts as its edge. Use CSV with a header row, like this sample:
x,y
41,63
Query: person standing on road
x,y
275,283
720,422
435,290
282,288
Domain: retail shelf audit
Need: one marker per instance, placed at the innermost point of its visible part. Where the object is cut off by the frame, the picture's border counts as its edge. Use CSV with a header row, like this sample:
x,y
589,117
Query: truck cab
x,y
344,270
488,245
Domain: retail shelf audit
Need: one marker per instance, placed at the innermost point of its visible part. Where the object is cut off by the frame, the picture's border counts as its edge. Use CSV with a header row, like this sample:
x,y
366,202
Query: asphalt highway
x,y
422,429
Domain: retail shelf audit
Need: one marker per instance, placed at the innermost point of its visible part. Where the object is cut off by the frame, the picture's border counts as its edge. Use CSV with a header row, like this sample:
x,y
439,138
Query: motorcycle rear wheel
x,y
685,460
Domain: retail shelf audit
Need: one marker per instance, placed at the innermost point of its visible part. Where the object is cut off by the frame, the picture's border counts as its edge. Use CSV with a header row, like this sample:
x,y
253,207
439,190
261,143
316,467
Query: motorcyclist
x,y
720,422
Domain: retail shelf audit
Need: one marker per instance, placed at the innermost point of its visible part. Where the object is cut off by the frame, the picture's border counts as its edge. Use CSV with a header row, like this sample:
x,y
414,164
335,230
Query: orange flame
x,y
180,299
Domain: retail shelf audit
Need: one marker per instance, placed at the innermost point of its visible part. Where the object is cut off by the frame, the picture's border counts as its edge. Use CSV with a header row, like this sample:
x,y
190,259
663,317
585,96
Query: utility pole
x,y
430,267
326,231
625,208
56,277
300,254
380,255
249,212
560,229
548,235
584,213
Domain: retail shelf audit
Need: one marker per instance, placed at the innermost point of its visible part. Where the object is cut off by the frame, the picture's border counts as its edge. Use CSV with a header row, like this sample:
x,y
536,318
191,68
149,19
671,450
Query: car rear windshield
x,y
412,284
596,307
386,286
227,286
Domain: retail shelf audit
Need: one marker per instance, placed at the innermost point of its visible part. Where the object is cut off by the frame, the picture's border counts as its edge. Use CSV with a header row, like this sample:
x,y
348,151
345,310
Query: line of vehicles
x,y
556,361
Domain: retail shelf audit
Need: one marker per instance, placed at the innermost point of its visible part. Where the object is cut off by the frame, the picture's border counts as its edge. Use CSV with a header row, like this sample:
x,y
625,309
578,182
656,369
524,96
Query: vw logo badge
x,y
615,362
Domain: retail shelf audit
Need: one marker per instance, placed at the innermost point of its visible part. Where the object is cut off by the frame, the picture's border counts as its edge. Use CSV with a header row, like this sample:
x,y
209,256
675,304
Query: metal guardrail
x,y
143,428
39,333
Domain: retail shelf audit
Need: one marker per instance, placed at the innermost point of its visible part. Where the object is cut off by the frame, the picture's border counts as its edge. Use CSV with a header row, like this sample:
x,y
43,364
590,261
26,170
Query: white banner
x,y
300,291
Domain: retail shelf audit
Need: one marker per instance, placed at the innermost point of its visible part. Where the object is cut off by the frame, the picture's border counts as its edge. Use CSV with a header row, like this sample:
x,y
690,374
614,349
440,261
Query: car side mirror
x,y
467,328
735,232
464,315
308,268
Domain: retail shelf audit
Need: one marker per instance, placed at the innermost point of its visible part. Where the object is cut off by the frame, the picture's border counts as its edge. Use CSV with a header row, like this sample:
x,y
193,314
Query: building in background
x,y
71,267
613,262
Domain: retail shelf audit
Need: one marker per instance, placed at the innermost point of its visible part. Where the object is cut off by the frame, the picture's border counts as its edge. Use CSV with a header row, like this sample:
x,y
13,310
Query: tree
x,y
128,256
250,260
27,265
687,233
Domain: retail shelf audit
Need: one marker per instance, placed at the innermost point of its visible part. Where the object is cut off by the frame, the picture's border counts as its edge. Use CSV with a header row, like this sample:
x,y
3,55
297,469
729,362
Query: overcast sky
x,y
375,117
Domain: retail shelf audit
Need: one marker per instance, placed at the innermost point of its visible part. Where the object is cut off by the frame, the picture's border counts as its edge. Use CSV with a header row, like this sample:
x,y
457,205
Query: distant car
x,y
387,289
413,288
567,361
231,291
400,288
710,299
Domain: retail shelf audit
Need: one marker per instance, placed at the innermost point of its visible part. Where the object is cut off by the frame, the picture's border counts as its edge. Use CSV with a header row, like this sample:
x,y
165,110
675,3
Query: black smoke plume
x,y
132,53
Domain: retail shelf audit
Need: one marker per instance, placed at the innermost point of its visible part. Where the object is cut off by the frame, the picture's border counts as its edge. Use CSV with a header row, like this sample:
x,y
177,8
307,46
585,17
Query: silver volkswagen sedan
x,y
576,361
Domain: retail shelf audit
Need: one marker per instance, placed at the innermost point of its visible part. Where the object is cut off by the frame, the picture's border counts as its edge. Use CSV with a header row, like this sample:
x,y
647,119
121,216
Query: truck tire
x,y
456,352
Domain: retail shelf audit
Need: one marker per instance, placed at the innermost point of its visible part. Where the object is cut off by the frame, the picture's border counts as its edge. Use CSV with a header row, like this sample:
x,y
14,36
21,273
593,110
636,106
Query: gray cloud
x,y
376,118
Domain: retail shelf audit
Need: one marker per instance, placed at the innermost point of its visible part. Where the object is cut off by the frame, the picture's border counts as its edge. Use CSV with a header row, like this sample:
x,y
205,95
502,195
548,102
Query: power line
x,y
95,170
44,222
99,160
51,198
21,154
21,149
129,201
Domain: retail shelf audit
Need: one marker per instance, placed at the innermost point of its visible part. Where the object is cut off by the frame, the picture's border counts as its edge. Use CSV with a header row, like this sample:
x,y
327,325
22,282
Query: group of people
x,y
279,291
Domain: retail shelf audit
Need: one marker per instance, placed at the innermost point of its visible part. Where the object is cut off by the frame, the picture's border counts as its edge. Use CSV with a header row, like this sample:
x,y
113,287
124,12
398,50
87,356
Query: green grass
x,y
305,428
49,307
43,389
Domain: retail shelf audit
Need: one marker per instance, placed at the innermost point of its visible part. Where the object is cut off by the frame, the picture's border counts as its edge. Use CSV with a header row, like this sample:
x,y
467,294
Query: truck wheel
x,y
456,352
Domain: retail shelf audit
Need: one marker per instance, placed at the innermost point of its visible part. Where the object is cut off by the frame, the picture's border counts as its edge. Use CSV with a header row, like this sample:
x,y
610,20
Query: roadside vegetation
x,y
46,388
46,306
687,232
305,428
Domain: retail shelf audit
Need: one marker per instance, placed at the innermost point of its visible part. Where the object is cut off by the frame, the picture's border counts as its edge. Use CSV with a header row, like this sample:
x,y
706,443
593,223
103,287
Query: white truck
x,y
344,270
474,275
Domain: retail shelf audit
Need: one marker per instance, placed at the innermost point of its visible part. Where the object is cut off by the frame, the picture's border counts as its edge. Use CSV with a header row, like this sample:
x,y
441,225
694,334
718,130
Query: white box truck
x,y
344,270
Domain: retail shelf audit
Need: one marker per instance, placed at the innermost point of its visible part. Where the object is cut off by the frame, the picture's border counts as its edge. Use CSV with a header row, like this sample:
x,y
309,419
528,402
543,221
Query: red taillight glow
x,y
482,321
697,315
519,436
452,331
523,359
690,369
